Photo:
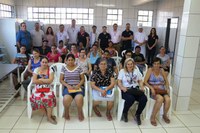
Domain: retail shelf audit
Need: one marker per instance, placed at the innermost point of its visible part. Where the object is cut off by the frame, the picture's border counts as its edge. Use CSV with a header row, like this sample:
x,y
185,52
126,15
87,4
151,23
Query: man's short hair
x,y
104,27
137,47
94,26
22,23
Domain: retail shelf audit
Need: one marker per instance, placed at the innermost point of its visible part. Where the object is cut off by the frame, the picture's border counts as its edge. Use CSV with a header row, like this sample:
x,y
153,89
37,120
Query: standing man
x,y
24,38
127,37
141,40
62,35
104,38
93,35
116,37
37,36
83,39
72,31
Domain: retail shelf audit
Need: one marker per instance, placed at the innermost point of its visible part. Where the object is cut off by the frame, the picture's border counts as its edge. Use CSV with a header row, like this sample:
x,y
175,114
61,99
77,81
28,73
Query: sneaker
x,y
137,119
125,117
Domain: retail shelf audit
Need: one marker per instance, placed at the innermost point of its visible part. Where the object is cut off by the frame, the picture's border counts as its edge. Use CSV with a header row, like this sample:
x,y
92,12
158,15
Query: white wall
x,y
8,36
9,2
129,11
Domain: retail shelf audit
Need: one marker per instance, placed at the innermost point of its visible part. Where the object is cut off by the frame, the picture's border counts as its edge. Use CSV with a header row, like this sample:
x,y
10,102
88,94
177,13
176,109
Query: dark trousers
x,y
150,56
130,99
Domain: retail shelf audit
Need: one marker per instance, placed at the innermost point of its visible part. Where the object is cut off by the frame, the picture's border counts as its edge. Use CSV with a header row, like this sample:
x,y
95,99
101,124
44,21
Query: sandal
x,y
108,115
96,111
166,119
53,117
52,121
153,122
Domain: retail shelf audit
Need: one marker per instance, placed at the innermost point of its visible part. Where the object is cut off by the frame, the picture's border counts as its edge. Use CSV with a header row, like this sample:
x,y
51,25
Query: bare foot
x,y
81,116
67,117
166,119
52,121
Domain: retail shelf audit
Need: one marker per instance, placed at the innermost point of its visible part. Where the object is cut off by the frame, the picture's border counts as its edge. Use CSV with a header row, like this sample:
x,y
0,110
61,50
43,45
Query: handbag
x,y
109,93
160,91
135,91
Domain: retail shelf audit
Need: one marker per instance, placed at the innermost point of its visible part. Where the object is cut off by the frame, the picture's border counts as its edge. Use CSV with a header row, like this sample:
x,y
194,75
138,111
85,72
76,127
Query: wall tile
x,y
187,4
193,29
194,7
181,45
179,65
188,67
191,47
184,24
185,87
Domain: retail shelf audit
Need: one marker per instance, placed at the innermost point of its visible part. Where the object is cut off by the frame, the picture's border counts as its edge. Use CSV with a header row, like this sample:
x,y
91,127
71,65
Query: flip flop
x,y
96,111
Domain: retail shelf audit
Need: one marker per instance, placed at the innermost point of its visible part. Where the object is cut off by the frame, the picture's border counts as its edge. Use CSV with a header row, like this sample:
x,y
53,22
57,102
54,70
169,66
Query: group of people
x,y
90,55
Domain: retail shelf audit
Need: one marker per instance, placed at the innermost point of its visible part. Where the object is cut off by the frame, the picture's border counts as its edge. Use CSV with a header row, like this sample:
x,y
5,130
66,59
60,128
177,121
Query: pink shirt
x,y
53,58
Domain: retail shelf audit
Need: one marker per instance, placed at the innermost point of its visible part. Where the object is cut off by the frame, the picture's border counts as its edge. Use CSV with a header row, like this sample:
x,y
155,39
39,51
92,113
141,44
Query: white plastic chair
x,y
121,103
91,100
151,102
22,90
29,92
123,52
85,100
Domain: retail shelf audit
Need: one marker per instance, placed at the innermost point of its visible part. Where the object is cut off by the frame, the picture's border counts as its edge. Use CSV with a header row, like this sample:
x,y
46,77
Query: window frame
x,y
145,18
114,15
7,12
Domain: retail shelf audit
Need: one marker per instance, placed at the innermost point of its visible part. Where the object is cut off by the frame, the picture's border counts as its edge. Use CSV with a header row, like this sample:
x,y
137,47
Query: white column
x,y
187,54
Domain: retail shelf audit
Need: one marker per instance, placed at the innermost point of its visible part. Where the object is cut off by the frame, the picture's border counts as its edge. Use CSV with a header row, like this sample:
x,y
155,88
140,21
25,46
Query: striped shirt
x,y
72,77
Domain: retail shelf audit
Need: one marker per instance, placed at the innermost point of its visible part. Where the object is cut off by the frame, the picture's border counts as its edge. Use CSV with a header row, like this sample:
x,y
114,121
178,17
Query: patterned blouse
x,y
101,80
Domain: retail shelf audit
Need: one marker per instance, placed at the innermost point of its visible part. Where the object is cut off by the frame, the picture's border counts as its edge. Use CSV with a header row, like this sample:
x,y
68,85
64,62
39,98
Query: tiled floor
x,y
13,119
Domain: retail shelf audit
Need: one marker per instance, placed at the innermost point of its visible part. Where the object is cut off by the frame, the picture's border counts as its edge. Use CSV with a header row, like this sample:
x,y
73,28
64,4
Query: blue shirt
x,y
24,38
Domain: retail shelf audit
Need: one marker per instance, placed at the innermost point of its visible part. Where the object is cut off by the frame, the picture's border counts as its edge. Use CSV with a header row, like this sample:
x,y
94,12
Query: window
x,y
145,18
6,11
61,15
114,16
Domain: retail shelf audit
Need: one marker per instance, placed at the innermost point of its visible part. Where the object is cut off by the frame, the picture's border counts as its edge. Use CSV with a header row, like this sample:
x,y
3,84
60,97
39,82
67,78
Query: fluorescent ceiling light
x,y
105,5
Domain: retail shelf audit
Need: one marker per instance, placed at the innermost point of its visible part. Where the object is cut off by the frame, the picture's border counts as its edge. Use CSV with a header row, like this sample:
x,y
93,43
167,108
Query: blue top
x,y
92,58
35,65
157,81
24,38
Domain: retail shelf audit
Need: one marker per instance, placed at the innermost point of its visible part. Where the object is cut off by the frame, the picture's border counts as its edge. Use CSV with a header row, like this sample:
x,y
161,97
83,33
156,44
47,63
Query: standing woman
x,y
42,95
72,78
131,85
151,45
49,36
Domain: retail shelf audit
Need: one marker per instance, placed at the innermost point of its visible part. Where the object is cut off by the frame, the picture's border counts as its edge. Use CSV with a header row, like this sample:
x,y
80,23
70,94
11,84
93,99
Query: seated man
x,y
110,62
139,59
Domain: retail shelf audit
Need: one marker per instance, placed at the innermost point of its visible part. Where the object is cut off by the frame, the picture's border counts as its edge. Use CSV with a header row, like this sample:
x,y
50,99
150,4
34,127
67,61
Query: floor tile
x,y
195,108
26,123
189,120
4,131
13,110
100,123
47,125
128,131
194,129
50,131
146,124
193,102
183,112
175,122
156,130
102,131
177,130
74,123
23,131
77,131
125,125
7,122
18,102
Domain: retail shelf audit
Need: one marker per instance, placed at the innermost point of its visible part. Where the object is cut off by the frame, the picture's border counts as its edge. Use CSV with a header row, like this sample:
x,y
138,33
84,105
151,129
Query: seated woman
x,y
54,56
84,63
127,54
72,78
111,49
93,55
33,63
62,50
42,95
74,50
165,60
156,79
102,78
131,86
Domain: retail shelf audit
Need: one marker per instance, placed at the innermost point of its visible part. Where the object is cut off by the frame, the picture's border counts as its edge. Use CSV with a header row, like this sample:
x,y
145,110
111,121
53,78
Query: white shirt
x,y
140,37
93,38
115,36
37,37
73,33
62,36
130,79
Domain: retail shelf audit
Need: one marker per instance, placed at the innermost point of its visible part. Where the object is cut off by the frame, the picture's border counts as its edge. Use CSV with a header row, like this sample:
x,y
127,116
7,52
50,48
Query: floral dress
x,y
42,95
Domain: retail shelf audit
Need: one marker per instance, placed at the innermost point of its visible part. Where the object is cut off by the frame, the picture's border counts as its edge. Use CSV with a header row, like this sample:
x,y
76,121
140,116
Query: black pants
x,y
150,56
130,99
